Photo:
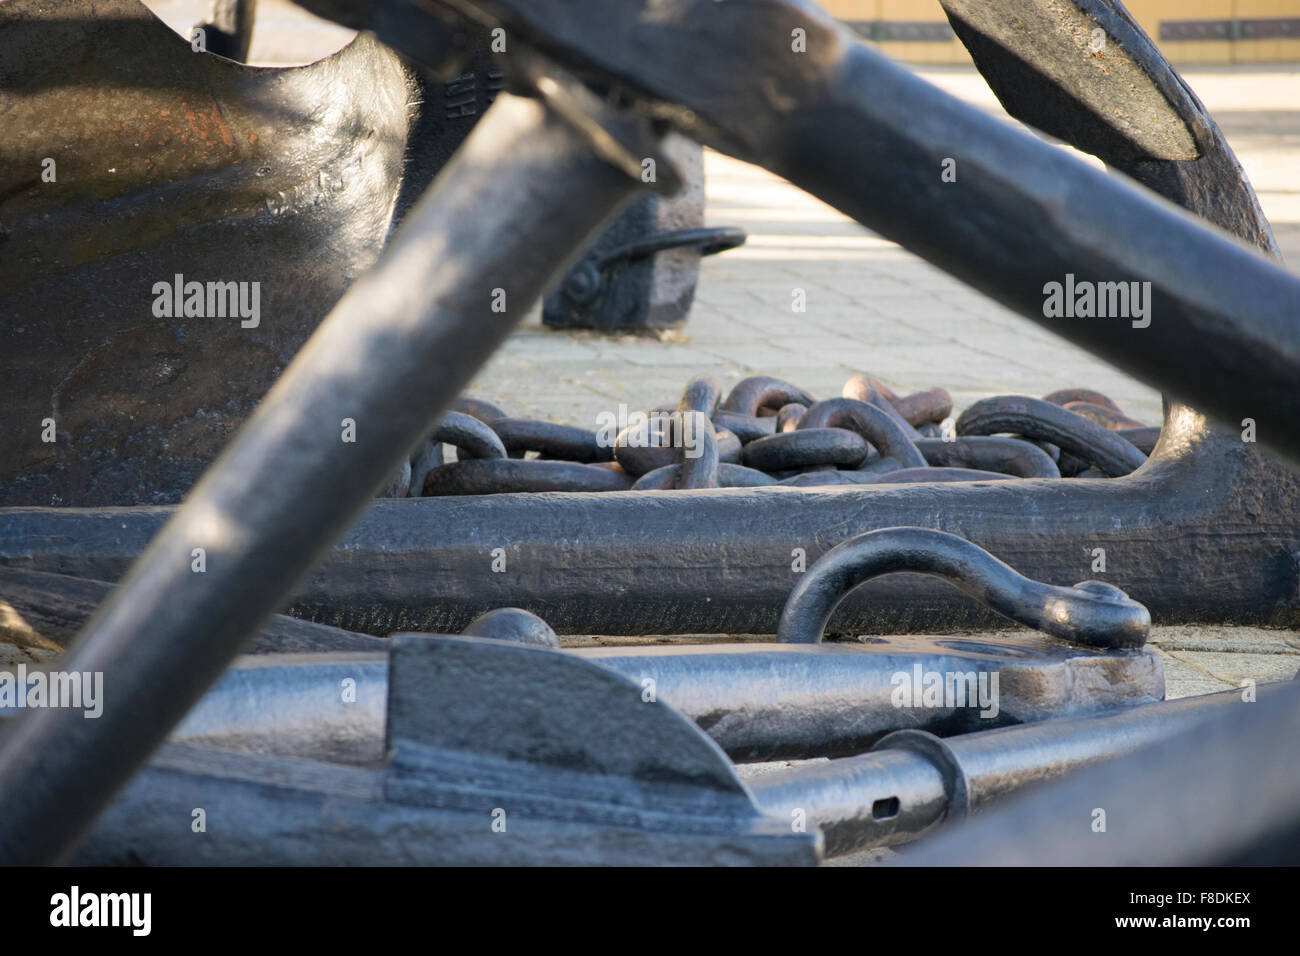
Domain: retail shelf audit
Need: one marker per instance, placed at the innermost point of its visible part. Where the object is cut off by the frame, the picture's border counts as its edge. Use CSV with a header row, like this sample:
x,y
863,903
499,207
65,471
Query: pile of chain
x,y
770,432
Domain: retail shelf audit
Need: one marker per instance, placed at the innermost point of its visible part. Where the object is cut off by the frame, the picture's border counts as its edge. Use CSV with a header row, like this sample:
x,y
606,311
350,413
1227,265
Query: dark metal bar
x,y
525,189
891,796
1043,421
1214,306
1223,792
467,730
757,701
586,770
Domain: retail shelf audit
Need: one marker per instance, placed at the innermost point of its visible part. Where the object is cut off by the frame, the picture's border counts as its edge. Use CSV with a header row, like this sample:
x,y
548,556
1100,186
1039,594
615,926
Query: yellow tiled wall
x,y
1273,51
1149,13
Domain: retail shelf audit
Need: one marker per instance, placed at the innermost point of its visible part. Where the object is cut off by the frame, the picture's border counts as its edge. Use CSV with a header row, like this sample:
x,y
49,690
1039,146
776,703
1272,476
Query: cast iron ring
x,y
934,749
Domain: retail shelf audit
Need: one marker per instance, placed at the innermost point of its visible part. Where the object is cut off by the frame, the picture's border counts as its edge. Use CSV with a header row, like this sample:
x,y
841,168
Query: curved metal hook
x,y
1091,613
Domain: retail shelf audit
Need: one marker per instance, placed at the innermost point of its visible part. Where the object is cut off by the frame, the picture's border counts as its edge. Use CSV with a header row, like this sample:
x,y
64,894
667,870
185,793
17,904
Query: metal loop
x,y
702,394
762,391
1063,396
481,476
860,388
470,437
562,442
1035,418
934,749
888,434
645,446
729,476
1010,456
745,427
483,411
698,470
1091,613
926,407
789,416
806,447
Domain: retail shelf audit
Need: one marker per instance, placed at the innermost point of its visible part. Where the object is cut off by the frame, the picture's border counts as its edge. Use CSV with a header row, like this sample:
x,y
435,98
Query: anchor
x,y
543,171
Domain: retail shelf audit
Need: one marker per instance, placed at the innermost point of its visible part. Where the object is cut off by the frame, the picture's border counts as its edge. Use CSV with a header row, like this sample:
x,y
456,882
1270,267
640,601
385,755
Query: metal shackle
x,y
1091,613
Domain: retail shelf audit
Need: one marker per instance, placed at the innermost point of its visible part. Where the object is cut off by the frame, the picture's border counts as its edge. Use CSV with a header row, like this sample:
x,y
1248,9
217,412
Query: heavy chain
x,y
770,432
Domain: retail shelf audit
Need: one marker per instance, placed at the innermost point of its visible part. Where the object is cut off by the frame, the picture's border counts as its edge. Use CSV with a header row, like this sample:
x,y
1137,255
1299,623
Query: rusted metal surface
x,y
170,167
47,610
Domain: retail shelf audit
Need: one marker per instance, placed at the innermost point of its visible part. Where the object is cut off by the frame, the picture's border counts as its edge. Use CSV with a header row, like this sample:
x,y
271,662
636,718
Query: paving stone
x,y
1176,689
1235,668
655,354
1250,640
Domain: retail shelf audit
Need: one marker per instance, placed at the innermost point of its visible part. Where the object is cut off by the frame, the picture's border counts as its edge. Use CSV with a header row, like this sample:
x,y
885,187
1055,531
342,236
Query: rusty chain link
x,y
767,431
